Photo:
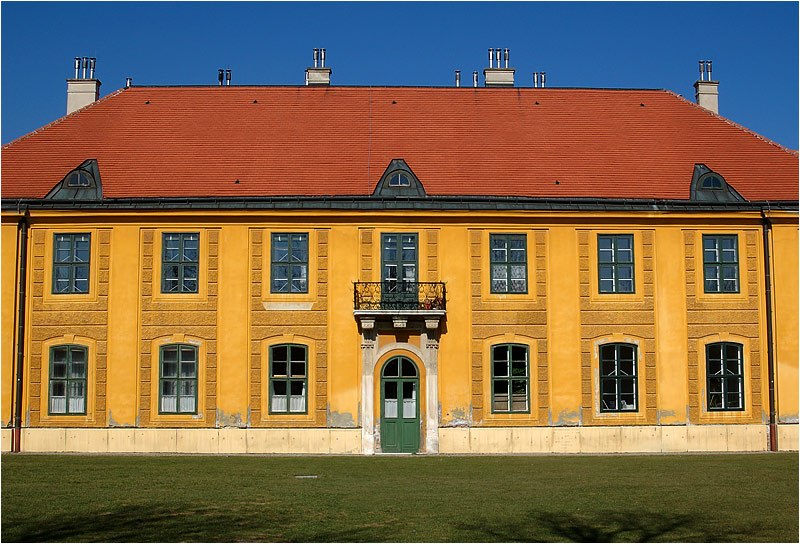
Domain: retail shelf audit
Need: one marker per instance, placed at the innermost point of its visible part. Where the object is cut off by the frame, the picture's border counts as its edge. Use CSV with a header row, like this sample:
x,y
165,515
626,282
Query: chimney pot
x,y
220,76
458,78
318,74
128,82
228,78
706,91
82,91
498,75
475,78
491,58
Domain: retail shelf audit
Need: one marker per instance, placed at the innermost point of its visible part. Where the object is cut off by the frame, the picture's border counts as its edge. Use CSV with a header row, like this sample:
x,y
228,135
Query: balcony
x,y
399,301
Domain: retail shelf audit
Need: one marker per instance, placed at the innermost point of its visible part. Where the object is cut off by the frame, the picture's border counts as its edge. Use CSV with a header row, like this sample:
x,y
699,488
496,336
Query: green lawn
x,y
556,498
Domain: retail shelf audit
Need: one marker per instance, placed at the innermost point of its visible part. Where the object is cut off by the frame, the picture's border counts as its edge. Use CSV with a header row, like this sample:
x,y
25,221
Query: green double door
x,y
400,426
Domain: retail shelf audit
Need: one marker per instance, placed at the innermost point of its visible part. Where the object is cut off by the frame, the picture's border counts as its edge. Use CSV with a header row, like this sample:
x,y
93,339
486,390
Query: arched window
x,y
68,379
79,178
288,379
510,377
724,376
177,379
399,179
618,378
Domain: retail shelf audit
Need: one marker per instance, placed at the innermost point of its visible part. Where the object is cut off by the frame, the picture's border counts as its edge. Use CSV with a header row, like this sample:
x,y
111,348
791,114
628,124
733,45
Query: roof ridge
x,y
734,124
60,119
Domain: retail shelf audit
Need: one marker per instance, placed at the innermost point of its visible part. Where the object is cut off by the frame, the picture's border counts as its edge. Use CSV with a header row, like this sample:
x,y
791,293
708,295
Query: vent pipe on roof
x,y
220,76
475,78
228,78
318,74
544,78
82,91
497,75
535,80
706,90
128,82
458,78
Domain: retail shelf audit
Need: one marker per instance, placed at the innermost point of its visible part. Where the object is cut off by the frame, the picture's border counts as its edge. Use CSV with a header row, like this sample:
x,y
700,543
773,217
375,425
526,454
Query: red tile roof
x,y
196,141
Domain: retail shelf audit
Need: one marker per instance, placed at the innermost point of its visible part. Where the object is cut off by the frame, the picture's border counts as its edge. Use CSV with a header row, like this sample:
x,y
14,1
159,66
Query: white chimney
x,y
318,74
498,76
82,90
706,91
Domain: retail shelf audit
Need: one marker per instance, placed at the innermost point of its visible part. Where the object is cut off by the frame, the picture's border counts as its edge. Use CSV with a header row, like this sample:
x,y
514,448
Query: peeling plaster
x,y
112,423
664,414
229,420
791,418
567,418
342,420
457,417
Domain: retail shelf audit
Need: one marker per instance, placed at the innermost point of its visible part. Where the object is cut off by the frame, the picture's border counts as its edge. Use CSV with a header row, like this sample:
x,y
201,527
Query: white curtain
x,y
390,408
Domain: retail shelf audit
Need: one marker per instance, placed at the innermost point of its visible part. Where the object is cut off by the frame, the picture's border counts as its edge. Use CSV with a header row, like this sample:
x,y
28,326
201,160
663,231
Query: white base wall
x,y
210,441
622,439
452,440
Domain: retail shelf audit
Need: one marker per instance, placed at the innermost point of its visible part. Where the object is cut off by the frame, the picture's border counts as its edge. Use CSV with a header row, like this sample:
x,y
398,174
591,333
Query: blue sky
x,y
754,47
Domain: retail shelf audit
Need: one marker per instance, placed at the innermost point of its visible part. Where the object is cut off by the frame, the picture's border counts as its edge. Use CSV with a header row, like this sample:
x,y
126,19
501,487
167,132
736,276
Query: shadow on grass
x,y
136,523
638,526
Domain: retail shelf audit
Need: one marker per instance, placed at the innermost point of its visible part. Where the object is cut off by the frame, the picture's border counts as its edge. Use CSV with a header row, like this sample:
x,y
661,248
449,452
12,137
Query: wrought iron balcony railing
x,y
402,295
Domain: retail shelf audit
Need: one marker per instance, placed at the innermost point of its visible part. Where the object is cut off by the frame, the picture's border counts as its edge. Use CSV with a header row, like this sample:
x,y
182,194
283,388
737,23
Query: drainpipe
x,y
22,229
773,427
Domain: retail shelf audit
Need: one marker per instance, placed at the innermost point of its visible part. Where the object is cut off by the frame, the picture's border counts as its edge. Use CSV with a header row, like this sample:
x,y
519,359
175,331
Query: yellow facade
x,y
562,319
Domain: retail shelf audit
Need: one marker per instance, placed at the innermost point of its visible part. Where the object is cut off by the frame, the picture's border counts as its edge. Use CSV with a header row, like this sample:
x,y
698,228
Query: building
x,y
326,269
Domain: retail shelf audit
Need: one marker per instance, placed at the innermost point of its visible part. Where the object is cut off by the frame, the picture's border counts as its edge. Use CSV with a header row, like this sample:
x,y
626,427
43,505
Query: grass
x,y
708,498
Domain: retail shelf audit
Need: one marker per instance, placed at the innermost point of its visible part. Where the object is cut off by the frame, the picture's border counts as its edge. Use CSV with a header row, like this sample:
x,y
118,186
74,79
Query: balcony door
x,y
399,271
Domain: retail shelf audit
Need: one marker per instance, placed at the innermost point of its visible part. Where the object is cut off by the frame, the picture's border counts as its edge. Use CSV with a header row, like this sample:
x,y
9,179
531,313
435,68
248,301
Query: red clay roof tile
x,y
196,141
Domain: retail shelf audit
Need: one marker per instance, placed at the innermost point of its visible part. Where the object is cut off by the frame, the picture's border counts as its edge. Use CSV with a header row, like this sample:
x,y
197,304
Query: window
x,y
618,378
399,180
79,178
711,181
510,378
721,263
289,263
615,263
178,379
288,379
71,263
509,269
724,376
180,262
68,379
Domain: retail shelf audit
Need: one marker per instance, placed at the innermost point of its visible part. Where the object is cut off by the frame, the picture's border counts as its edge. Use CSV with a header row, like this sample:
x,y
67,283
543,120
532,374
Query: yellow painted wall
x,y
234,318
785,278
8,318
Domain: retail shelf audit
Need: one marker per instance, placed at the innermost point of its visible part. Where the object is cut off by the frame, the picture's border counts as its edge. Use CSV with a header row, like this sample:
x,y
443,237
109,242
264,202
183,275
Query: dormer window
x,y
79,178
712,181
710,186
399,180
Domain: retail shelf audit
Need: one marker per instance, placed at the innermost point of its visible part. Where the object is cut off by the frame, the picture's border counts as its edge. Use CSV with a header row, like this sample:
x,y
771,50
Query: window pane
x,y
500,368
501,397
298,369
298,353
604,243
297,402
299,244
625,286
409,400
188,354
605,256
169,388
187,405
77,389
280,248
58,388
169,369
409,370
188,369
82,249
280,353
77,370
391,369
188,387
169,404
279,368
59,370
